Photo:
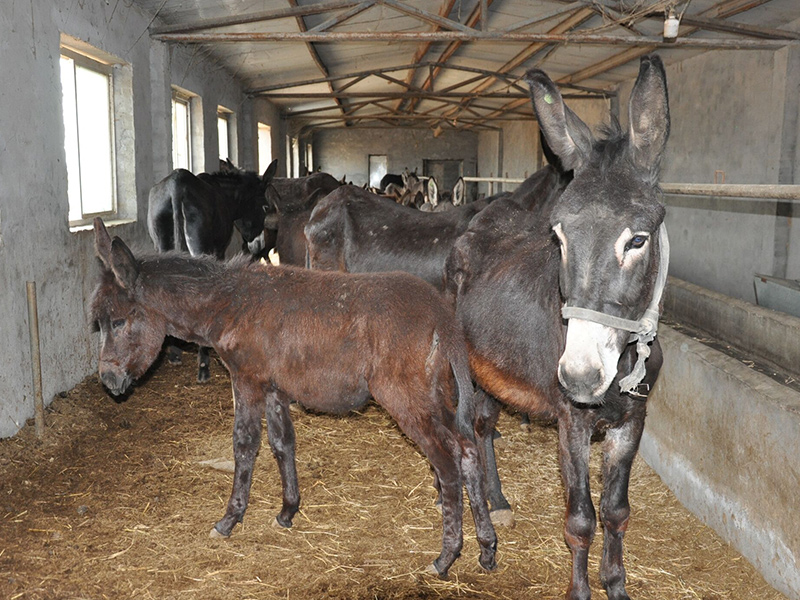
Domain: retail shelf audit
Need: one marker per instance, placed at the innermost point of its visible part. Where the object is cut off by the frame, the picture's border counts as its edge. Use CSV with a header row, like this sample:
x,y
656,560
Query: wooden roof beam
x,y
422,49
343,16
318,60
572,21
448,52
726,8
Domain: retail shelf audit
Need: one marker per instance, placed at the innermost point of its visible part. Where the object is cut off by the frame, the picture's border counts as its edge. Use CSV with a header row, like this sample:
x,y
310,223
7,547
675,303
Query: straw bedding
x,y
118,500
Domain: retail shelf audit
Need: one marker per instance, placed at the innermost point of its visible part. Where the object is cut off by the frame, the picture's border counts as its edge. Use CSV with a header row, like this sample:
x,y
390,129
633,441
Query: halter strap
x,y
643,331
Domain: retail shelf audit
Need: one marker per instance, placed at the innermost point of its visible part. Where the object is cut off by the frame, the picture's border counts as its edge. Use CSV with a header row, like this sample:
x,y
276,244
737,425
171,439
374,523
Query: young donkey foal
x,y
603,246
326,340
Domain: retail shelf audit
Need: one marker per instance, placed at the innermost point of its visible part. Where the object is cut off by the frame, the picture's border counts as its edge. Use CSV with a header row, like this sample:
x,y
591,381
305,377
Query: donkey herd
x,y
545,300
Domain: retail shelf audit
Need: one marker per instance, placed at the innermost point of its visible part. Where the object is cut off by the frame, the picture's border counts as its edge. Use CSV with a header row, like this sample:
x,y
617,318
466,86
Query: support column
x,y
785,211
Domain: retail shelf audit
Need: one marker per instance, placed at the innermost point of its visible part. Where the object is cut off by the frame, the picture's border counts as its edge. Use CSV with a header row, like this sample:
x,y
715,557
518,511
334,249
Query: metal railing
x,y
728,190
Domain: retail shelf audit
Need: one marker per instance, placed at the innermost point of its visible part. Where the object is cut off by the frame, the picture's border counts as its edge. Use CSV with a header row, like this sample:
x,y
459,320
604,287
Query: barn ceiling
x,y
450,63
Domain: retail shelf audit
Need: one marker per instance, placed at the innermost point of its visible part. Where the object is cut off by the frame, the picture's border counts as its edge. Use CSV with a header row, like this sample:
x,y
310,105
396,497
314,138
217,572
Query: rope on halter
x,y
643,331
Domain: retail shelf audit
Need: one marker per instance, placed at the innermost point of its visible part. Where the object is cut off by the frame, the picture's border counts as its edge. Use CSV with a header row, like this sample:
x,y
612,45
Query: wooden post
x,y
36,359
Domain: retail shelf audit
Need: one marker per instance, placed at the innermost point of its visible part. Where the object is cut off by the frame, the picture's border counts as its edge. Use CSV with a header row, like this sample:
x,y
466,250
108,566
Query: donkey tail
x,y
179,221
465,411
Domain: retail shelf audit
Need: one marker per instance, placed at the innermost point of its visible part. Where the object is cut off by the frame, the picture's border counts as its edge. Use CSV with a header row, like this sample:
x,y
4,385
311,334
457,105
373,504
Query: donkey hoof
x,y
203,375
215,534
502,518
432,570
489,565
277,523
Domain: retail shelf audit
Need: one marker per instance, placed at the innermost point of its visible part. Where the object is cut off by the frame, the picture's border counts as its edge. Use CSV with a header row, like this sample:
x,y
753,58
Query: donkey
x,y
549,311
359,232
289,201
198,213
326,340
441,201
355,231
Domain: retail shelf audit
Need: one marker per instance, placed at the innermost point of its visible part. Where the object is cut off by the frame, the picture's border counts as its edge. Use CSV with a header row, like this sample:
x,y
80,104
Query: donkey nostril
x,y
583,384
109,380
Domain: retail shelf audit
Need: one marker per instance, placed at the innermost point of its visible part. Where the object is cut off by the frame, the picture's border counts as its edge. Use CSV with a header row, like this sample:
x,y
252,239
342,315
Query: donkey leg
x,y
574,438
249,407
280,431
474,478
203,362
619,450
441,447
487,412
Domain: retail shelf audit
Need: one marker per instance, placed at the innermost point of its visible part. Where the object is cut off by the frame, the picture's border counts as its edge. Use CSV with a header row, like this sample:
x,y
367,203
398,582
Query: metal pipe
x,y
472,35
36,359
728,190
732,190
495,179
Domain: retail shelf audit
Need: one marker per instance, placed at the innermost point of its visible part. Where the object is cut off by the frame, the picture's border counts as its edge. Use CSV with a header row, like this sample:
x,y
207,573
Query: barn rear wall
x,y
345,152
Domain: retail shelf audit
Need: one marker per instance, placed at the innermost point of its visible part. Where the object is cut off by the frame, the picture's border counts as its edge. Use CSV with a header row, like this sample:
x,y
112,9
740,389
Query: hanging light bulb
x,y
671,26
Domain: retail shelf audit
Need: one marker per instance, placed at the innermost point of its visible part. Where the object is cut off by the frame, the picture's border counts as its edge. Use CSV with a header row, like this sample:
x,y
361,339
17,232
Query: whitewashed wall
x,y
35,241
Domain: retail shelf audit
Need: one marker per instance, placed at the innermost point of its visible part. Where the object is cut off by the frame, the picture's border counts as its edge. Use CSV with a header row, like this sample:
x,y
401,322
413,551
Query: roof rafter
x,y
423,48
725,8
318,60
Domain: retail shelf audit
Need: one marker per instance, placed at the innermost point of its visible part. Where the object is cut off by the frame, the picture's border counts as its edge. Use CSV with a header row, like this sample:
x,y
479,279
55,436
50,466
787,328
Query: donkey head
x,y
607,223
251,198
131,335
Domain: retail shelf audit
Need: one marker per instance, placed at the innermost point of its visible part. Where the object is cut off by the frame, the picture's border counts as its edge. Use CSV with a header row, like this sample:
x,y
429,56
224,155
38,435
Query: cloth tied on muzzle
x,y
643,331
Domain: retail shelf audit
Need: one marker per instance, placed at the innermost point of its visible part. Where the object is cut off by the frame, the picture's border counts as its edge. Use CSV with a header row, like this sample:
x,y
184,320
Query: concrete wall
x,y
513,151
725,439
771,336
734,114
346,151
35,241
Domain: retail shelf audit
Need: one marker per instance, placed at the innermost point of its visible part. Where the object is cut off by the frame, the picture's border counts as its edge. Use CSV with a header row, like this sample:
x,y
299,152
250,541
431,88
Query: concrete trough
x,y
726,438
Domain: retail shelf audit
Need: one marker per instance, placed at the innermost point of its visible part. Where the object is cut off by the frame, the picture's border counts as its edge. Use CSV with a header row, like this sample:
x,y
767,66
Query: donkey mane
x,y
189,273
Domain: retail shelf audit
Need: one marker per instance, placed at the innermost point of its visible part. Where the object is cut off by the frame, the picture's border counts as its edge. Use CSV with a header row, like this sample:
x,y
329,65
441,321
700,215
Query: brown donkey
x,y
330,341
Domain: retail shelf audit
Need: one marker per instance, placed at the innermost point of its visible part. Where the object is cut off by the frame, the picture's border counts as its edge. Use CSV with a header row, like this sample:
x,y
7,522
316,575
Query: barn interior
x,y
357,88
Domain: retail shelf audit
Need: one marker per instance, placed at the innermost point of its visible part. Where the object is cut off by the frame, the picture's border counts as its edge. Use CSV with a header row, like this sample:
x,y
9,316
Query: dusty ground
x,y
114,503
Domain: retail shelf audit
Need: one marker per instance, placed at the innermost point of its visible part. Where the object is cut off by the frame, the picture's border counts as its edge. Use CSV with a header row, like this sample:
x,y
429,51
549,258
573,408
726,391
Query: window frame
x,y
223,114
98,65
263,127
181,97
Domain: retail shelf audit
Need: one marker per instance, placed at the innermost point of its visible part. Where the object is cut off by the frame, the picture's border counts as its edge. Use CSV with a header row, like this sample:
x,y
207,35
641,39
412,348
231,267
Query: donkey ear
x,y
458,192
102,242
270,172
649,114
123,264
567,135
433,191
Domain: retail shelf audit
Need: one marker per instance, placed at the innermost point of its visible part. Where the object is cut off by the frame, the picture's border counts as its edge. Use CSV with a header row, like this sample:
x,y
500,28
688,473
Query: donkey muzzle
x,y
589,362
116,383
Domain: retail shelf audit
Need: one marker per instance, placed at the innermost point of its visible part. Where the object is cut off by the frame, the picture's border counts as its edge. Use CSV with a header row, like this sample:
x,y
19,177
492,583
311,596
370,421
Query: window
x,y
86,87
181,128
295,157
264,147
309,158
224,133
378,166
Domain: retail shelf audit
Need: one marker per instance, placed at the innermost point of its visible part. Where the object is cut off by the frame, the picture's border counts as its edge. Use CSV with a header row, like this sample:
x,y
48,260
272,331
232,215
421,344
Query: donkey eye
x,y
117,323
636,241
